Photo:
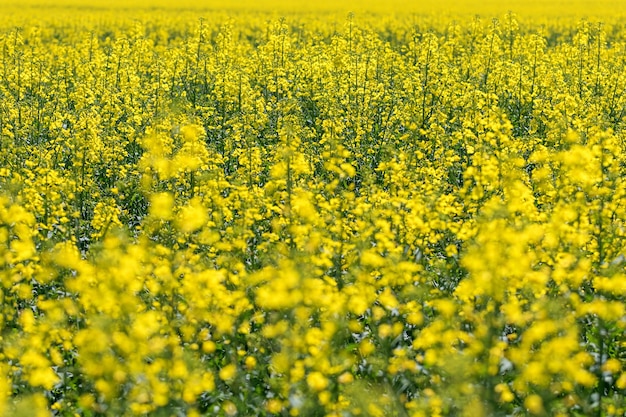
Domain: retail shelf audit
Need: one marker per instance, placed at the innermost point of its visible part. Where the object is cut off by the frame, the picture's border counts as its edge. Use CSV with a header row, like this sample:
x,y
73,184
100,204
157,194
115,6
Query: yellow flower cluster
x,y
235,213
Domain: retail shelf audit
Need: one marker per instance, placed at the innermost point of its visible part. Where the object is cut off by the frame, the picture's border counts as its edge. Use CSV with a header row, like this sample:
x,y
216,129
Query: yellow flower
x,y
274,406
366,347
250,362
191,133
388,299
192,216
316,381
161,205
612,365
534,404
228,372
345,378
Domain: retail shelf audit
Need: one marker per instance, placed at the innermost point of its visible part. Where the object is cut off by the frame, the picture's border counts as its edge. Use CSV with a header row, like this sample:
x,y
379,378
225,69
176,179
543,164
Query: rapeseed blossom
x,y
228,212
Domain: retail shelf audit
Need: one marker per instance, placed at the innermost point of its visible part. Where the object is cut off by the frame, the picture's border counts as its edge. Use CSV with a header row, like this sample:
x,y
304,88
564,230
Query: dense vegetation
x,y
212,213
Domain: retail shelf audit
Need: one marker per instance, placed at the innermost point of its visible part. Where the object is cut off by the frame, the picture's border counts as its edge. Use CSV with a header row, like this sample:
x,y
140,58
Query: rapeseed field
x,y
322,208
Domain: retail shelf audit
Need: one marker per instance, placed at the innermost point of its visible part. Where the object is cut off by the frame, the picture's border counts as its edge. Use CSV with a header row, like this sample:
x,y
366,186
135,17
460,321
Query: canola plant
x,y
308,209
